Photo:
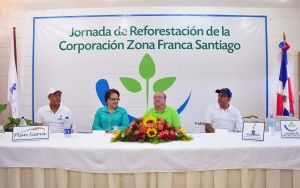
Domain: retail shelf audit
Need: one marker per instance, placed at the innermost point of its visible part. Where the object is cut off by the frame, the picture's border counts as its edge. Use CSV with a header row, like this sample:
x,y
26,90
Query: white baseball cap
x,y
53,90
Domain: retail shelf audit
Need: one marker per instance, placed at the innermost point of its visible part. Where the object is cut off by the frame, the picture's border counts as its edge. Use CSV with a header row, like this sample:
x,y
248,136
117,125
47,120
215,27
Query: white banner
x,y
193,55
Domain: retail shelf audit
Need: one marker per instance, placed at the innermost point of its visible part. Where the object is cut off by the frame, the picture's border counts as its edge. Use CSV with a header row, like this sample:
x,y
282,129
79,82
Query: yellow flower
x,y
149,119
184,135
117,134
182,132
151,132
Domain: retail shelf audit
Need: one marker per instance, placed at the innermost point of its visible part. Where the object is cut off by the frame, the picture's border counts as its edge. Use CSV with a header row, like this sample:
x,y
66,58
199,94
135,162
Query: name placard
x,y
290,129
30,133
253,131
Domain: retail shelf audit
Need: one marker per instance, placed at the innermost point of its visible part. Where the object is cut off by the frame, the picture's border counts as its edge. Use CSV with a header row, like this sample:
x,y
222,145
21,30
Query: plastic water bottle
x,y
1,129
115,128
23,122
272,125
67,127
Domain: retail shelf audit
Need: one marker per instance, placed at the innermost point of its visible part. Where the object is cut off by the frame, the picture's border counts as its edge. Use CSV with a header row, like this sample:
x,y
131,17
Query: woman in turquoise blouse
x,y
111,115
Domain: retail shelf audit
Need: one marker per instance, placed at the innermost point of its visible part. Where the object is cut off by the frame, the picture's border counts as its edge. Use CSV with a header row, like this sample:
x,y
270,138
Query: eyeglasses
x,y
114,99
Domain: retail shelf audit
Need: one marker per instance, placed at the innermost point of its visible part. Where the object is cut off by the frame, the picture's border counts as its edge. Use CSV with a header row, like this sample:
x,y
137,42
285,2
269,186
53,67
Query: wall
x,y
279,21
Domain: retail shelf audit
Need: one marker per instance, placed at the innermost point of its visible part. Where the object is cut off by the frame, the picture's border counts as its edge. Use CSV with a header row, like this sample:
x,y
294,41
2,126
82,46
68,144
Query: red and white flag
x,y
285,97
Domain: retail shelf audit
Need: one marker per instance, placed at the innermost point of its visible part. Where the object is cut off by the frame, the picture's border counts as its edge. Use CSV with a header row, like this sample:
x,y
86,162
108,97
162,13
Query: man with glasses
x,y
54,115
161,110
223,115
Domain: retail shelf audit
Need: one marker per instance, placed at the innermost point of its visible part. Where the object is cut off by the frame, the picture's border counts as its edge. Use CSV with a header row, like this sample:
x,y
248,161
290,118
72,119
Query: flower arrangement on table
x,y
150,129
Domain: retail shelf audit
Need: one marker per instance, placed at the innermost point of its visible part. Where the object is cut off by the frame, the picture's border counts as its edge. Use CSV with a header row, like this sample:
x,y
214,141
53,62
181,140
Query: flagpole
x,y
284,37
13,84
15,48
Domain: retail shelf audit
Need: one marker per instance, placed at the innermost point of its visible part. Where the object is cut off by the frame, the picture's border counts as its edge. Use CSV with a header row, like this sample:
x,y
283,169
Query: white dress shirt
x,y
224,119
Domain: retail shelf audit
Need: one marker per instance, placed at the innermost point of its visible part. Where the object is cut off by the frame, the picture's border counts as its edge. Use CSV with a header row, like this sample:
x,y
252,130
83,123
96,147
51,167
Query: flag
x,y
13,85
285,97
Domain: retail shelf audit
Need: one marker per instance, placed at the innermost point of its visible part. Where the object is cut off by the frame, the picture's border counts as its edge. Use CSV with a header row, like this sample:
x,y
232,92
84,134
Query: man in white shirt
x,y
223,115
54,115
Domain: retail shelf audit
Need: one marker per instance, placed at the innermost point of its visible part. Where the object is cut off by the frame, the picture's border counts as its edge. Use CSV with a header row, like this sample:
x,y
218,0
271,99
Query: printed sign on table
x,y
30,133
290,129
253,131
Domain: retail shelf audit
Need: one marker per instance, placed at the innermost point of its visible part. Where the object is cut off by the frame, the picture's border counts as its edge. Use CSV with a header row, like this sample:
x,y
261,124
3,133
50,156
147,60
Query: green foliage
x,y
163,84
3,107
131,84
12,122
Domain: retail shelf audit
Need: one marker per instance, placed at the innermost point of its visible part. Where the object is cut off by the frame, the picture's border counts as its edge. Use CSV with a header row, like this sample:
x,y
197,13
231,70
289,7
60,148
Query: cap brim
x,y
55,92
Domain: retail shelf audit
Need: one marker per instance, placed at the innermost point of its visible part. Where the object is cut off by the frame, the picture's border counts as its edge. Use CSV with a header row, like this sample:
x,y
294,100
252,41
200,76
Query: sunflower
x,y
182,132
116,136
151,133
184,135
149,119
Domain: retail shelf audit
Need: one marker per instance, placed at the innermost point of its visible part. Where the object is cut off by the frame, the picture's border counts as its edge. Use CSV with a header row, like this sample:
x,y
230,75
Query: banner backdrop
x,y
186,56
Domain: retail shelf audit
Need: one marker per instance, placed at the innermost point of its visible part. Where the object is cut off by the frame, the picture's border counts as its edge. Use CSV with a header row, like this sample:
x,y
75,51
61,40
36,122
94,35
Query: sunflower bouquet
x,y
151,129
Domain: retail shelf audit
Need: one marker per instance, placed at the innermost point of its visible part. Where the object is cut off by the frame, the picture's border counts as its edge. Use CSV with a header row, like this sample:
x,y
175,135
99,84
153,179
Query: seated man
x,y
54,115
160,110
223,115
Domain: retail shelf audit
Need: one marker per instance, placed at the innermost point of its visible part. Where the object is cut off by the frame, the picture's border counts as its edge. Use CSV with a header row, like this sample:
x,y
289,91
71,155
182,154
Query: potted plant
x,y
11,122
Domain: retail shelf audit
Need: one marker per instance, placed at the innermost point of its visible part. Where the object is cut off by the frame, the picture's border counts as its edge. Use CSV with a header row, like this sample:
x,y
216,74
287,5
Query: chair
x,y
250,118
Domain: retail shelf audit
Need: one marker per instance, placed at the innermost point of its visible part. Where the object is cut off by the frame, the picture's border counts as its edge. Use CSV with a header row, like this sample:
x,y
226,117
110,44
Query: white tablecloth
x,y
95,153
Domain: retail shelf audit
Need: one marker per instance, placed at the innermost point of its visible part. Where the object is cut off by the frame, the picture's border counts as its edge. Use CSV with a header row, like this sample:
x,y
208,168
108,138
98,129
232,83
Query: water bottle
x,y
1,129
67,127
115,128
23,122
272,125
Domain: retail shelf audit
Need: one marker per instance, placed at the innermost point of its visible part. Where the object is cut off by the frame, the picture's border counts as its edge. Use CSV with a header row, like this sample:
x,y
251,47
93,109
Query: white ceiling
x,y
64,4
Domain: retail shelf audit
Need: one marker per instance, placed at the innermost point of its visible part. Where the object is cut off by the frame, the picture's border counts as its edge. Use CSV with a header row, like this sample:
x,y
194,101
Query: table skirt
x,y
237,178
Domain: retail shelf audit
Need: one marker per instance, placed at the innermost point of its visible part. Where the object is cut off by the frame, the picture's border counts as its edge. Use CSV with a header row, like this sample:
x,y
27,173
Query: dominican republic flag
x,y
13,85
285,97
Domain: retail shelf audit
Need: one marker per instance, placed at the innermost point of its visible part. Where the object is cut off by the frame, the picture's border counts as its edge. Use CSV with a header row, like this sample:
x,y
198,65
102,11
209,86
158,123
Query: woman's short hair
x,y
109,92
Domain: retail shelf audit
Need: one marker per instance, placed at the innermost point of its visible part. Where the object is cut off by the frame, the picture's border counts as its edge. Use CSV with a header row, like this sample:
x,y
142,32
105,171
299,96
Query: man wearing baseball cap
x,y
223,115
54,115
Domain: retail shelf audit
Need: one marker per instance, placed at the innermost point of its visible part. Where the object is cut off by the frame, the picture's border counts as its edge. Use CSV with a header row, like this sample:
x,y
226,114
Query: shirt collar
x,y
49,109
217,106
161,111
117,109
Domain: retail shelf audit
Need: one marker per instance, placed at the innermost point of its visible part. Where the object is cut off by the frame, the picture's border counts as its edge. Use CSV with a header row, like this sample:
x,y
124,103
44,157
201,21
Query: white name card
x,y
290,129
253,131
30,133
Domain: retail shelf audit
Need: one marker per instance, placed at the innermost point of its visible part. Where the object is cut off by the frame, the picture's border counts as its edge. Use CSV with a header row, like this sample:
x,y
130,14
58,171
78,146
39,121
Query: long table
x,y
91,160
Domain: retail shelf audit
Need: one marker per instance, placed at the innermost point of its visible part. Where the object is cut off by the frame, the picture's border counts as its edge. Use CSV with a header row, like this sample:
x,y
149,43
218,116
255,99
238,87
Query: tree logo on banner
x,y
147,71
291,126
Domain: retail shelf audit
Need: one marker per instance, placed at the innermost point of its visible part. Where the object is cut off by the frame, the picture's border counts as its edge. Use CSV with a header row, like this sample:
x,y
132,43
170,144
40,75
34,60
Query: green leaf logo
x,y
147,70
163,84
147,67
131,84
291,124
